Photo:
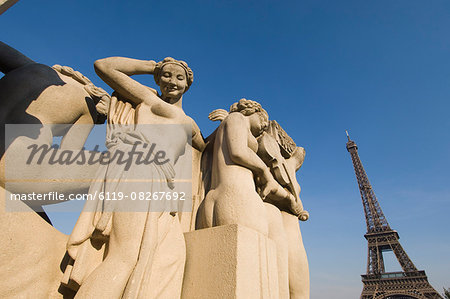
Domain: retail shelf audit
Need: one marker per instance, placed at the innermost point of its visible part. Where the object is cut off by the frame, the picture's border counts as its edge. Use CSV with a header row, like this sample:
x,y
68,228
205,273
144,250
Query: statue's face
x,y
257,124
173,81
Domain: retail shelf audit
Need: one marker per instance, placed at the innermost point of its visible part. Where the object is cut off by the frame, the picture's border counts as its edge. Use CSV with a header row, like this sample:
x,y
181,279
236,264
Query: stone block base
x,y
229,261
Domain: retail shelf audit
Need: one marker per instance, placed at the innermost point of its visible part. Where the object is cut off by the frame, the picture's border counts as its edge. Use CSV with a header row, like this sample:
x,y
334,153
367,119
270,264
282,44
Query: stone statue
x,y
235,163
131,248
243,191
145,249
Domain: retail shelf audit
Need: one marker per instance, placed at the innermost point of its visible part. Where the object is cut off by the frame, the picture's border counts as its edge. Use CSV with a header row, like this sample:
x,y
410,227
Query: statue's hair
x,y
95,92
248,107
169,60
68,71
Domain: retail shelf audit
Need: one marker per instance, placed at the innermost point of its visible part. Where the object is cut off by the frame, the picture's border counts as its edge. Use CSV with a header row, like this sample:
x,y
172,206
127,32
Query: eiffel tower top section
x,y
375,220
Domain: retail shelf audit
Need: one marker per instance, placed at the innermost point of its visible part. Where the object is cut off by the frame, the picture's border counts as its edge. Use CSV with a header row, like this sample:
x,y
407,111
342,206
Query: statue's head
x,y
174,77
259,119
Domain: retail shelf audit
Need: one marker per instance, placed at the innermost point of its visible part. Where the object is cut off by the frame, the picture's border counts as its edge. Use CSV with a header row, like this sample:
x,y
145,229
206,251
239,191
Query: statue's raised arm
x,y
116,72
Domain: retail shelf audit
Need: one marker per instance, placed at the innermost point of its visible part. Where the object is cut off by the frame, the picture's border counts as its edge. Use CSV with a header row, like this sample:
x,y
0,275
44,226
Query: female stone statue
x,y
233,196
234,165
145,247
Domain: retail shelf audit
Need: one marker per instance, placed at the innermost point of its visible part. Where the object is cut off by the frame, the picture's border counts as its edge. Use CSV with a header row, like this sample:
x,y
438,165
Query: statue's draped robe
x,y
160,263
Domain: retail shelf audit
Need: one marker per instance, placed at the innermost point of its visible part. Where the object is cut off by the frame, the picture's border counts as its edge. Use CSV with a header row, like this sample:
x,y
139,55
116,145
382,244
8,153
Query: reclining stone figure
x,y
50,101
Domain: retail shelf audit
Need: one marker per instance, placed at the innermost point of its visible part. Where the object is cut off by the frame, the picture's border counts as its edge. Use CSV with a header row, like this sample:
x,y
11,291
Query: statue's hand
x,y
151,64
218,115
103,105
268,185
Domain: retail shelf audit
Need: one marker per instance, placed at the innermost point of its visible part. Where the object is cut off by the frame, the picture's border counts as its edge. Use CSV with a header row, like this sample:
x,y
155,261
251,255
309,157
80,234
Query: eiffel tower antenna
x,y
377,283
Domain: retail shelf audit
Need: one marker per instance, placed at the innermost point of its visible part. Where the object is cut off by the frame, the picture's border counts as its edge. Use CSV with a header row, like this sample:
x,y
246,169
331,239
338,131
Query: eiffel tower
x,y
379,284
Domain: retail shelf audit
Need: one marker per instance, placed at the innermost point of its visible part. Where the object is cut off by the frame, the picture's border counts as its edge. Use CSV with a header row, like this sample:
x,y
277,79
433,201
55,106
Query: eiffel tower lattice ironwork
x,y
379,284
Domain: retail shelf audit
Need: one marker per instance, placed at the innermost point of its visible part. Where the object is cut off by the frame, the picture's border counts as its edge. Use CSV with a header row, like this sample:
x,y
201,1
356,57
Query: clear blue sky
x,y
379,69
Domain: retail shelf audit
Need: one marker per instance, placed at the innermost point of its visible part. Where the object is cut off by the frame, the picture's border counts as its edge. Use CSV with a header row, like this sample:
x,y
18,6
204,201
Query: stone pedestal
x,y
229,261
